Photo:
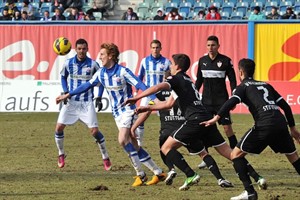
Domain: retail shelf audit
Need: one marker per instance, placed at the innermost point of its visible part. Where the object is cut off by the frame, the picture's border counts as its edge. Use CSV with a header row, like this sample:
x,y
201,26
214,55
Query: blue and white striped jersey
x,y
76,73
153,70
117,81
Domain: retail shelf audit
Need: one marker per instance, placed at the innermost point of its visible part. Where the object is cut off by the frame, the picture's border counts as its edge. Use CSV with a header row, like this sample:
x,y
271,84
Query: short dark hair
x,y
257,8
213,38
182,60
155,42
81,41
247,66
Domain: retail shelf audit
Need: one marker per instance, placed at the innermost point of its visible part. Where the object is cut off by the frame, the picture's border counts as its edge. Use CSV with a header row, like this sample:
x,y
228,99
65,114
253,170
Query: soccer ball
x,y
62,46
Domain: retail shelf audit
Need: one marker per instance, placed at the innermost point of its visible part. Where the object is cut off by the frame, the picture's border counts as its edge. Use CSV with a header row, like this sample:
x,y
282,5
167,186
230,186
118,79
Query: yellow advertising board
x,y
277,52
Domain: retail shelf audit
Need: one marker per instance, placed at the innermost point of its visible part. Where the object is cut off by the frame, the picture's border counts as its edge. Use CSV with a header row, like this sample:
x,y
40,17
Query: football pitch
x,y
28,164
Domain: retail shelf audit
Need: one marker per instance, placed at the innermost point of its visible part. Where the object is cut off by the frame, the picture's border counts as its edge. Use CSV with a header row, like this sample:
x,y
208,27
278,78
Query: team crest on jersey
x,y
88,69
219,64
116,78
161,66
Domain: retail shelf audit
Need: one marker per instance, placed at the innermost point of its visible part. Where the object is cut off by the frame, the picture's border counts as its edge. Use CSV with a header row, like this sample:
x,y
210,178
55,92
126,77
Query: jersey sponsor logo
x,y
80,77
204,64
213,74
219,64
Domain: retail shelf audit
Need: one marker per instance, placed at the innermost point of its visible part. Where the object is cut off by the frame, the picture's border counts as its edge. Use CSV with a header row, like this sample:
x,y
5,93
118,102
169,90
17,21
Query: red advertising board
x,y
28,55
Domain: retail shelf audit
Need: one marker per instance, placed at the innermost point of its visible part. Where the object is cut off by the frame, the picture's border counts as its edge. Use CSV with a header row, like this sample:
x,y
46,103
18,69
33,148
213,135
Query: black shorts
x,y
225,120
195,136
258,138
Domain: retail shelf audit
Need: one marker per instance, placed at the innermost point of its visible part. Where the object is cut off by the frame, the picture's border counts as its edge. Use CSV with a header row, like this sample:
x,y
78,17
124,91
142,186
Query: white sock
x,y
103,150
139,135
59,140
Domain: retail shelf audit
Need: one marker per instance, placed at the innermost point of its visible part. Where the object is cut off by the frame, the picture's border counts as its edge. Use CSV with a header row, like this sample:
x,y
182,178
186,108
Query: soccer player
x,y
117,80
77,71
190,133
270,127
213,69
152,71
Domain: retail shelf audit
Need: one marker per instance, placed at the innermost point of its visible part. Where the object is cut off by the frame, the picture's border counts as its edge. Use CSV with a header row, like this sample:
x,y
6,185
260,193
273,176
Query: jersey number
x,y
265,94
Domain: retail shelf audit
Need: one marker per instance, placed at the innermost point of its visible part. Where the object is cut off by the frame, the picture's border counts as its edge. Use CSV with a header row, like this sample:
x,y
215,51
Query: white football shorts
x,y
126,119
78,110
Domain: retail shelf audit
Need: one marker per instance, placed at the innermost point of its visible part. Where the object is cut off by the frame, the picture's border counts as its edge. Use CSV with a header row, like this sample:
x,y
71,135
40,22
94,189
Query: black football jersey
x,y
188,97
261,99
212,75
170,119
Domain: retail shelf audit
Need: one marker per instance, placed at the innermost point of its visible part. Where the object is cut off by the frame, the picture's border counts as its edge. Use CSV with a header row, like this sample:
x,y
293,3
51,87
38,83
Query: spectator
x,y
24,16
29,9
289,14
273,14
256,14
130,15
12,8
74,4
61,4
5,15
99,6
46,16
57,15
75,15
213,13
160,14
200,15
173,15
17,16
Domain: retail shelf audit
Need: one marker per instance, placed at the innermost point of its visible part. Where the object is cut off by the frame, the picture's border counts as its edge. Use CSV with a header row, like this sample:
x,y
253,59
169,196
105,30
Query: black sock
x,y
240,166
168,164
252,172
173,156
296,164
212,166
232,141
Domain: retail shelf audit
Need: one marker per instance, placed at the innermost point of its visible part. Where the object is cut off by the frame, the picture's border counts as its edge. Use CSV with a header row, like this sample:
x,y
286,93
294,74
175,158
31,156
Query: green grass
x,y
28,164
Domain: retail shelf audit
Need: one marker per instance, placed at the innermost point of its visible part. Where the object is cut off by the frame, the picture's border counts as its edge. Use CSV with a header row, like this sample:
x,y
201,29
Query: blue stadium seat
x,y
236,15
284,4
228,7
149,1
270,4
44,7
263,2
215,4
191,15
297,7
156,6
233,1
169,6
218,1
225,15
199,6
191,1
176,1
242,7
143,7
183,15
254,4
185,7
